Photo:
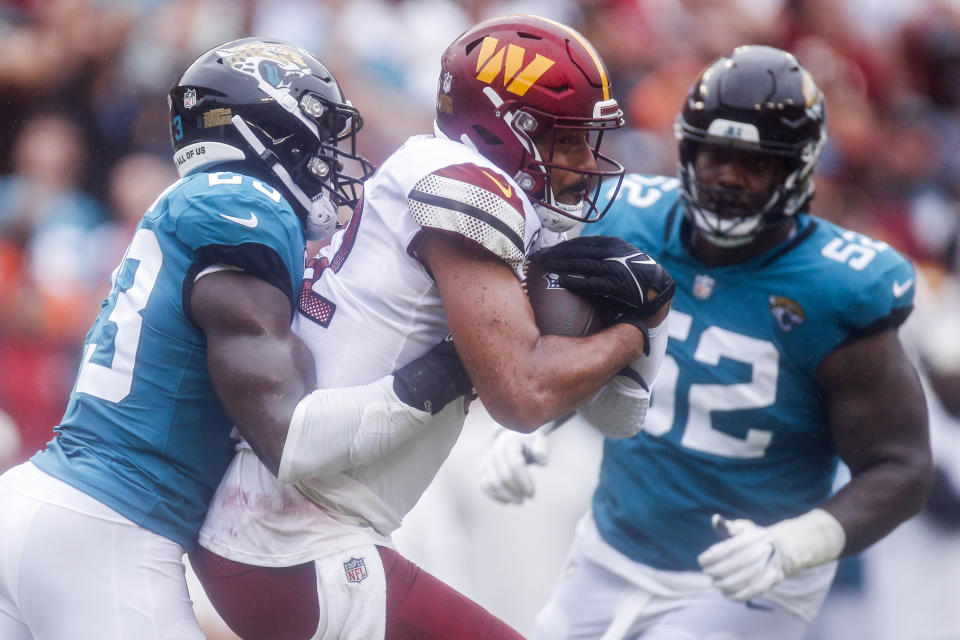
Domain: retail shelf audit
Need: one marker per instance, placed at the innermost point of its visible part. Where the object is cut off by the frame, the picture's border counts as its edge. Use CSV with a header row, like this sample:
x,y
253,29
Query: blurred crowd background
x,y
85,149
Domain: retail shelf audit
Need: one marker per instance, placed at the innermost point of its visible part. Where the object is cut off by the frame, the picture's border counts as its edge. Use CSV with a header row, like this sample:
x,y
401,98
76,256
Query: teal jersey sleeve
x,y
862,285
882,293
227,218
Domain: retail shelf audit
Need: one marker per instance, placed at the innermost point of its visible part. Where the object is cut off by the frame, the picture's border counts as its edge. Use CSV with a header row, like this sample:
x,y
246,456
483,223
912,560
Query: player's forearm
x,y
260,380
881,497
556,375
258,367
878,423
619,410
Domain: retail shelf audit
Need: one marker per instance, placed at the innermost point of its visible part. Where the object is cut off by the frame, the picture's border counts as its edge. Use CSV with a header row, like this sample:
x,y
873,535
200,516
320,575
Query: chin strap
x,y
555,221
321,213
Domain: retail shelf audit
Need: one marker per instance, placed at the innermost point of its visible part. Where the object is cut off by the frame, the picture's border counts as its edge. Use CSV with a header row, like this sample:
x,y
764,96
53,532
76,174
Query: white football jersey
x,y
369,306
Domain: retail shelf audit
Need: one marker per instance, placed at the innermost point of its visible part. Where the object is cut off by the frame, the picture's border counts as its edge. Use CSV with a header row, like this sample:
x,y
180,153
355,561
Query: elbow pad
x,y
335,429
620,408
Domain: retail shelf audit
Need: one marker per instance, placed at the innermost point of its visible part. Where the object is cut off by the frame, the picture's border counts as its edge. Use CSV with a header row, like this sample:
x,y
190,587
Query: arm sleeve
x,y
885,302
620,407
334,429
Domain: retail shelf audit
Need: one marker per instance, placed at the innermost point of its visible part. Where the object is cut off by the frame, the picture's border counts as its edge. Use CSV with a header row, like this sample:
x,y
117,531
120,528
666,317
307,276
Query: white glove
x,y
504,475
754,558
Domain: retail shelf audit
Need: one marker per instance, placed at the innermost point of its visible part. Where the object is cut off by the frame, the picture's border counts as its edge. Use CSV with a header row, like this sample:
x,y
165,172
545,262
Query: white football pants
x,y
70,567
593,602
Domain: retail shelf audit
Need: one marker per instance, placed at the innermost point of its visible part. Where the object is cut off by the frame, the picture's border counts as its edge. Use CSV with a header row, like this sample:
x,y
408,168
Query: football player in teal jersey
x,y
782,360
193,339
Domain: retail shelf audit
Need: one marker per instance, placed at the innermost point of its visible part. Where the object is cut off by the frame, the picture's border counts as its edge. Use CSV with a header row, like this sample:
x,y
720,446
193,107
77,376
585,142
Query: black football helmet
x,y
758,99
274,107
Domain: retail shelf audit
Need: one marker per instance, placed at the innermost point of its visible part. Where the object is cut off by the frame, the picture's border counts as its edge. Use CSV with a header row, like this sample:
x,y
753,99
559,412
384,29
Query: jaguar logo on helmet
x,y
273,64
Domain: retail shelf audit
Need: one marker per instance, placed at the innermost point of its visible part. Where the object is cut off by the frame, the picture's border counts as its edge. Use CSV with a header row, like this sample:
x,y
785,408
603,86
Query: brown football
x,y
558,311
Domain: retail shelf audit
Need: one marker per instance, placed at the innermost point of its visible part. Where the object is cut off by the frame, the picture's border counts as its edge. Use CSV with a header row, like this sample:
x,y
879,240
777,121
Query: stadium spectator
x,y
48,289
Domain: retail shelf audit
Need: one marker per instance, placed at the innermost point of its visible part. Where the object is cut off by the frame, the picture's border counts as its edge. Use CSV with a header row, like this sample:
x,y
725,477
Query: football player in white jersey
x,y
718,520
435,248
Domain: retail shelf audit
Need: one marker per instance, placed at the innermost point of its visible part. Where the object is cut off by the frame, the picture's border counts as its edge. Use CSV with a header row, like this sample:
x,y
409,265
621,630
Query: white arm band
x,y
215,268
648,367
334,429
620,407
808,540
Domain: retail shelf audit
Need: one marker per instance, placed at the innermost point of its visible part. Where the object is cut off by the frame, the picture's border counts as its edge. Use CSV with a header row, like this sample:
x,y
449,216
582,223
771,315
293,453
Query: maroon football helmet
x,y
510,80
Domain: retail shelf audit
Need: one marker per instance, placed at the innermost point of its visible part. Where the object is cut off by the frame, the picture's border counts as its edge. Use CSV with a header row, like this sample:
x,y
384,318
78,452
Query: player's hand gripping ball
x,y
558,311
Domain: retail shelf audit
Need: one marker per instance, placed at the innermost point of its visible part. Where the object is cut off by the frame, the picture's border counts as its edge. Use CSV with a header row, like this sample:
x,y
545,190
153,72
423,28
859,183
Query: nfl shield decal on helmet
x,y
788,313
189,98
355,569
447,82
703,286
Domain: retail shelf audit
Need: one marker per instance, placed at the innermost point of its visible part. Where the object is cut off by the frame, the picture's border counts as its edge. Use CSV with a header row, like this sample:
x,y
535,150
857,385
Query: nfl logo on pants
x,y
355,569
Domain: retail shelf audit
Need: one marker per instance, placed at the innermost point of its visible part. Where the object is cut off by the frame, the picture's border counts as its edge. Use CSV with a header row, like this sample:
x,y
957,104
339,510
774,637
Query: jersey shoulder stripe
x,y
477,203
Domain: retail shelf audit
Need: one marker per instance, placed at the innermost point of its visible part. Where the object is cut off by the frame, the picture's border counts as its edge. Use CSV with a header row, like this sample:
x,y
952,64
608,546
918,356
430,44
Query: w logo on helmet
x,y
509,59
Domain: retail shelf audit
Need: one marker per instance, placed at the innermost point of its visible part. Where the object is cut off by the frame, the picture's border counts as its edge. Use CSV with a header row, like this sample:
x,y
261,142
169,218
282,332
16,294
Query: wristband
x,y
809,540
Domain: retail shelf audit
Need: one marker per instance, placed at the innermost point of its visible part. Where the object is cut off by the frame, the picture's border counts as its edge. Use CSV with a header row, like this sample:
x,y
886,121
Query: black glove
x,y
433,380
613,270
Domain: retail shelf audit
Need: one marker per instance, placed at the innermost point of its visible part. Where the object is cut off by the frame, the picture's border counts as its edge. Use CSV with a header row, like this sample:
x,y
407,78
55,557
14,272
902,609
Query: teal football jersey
x,y
143,431
736,425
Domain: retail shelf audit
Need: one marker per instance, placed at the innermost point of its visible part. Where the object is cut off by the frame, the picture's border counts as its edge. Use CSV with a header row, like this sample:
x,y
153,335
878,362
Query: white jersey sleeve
x,y
480,204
